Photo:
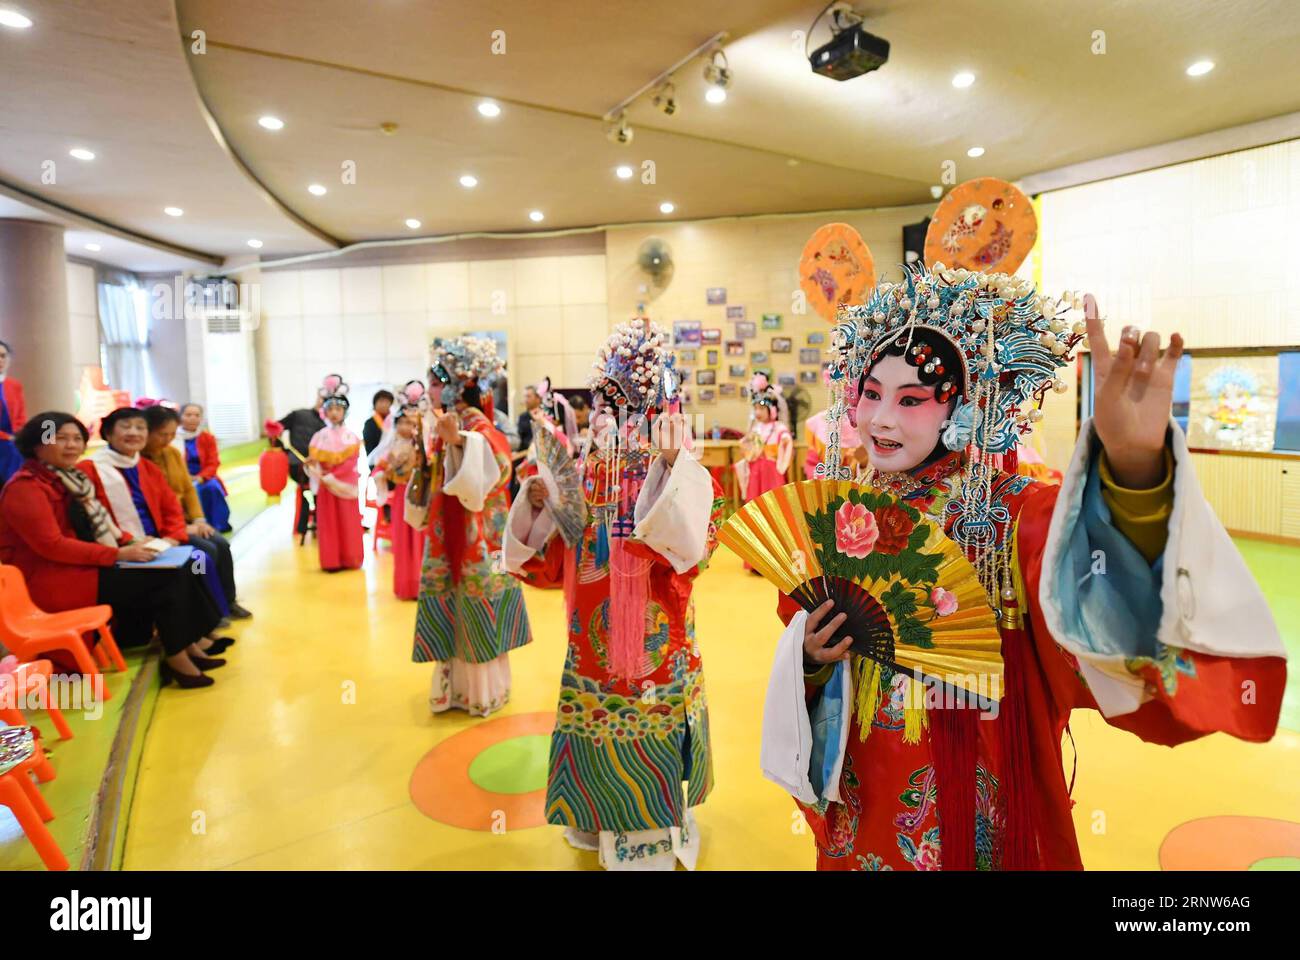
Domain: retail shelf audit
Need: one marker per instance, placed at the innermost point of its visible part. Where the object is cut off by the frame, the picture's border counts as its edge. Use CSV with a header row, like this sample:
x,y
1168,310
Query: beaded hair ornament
x,y
454,362
1010,343
635,371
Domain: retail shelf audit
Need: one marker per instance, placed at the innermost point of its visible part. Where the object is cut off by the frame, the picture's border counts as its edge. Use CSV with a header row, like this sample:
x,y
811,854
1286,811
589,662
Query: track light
x,y
665,99
618,130
716,71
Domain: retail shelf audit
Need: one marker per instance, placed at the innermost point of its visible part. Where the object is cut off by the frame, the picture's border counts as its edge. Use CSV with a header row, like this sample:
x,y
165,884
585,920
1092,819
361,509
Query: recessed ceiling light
x,y
413,223
975,152
271,123
666,207
489,109
537,216
468,181
963,80
716,95
255,244
624,173
81,153
93,247
316,190
12,18
1200,68
173,211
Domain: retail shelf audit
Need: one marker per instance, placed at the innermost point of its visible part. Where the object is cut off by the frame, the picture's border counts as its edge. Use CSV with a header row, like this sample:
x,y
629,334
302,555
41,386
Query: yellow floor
x,y
302,755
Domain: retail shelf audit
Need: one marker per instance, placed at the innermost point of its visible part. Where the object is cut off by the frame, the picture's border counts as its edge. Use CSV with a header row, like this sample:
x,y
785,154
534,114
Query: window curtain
x,y
124,333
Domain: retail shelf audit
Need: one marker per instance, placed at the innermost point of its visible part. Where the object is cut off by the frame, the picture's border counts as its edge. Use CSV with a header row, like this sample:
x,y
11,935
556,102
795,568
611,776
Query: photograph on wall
x,y
744,393
686,332
735,348
737,370
771,321
1288,406
746,329
782,345
1234,403
758,356
715,296
736,313
816,337
787,379
810,356
726,389
706,376
807,376
711,335
711,357
708,396
685,357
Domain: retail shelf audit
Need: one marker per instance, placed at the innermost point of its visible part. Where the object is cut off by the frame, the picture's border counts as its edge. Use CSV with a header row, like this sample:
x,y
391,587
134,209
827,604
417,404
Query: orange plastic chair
x,y
29,631
19,794
382,526
16,688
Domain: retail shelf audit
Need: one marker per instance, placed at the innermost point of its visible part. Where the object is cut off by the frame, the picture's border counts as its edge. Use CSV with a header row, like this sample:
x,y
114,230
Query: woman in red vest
x,y
13,414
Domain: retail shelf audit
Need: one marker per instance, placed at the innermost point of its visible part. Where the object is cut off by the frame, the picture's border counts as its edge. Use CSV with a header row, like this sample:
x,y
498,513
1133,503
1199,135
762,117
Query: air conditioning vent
x,y
223,324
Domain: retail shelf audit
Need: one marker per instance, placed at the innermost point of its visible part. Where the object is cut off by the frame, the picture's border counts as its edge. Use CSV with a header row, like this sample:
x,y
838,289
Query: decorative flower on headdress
x,y
762,390
1010,341
634,370
333,391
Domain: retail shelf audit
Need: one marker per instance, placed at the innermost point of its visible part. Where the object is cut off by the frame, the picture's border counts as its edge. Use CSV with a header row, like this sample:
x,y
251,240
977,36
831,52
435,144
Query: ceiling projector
x,y
850,53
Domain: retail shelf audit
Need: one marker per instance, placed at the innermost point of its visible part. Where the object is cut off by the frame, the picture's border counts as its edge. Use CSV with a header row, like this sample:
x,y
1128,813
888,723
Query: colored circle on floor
x,y
517,765
487,777
1232,843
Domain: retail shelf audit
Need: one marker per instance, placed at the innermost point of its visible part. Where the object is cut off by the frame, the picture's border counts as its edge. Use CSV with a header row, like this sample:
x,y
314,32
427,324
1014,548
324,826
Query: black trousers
x,y
217,548
173,600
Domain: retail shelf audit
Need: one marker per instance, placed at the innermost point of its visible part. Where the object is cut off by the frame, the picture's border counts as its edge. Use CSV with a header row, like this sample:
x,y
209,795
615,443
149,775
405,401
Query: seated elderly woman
x,y
67,546
159,450
199,448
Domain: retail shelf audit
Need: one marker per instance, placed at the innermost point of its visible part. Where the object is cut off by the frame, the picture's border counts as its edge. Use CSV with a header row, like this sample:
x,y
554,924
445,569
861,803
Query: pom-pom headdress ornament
x,y
458,361
333,392
763,391
634,371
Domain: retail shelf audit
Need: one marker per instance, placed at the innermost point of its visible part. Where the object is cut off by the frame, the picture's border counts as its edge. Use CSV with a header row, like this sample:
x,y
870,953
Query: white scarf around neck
x,y
110,464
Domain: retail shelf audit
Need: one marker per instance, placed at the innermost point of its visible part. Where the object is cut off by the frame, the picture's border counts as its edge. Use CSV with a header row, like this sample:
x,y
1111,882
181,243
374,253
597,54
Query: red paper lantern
x,y
273,466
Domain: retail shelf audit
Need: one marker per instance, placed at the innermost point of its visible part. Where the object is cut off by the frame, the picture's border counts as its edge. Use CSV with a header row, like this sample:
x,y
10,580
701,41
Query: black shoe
x,y
206,663
239,613
185,681
219,646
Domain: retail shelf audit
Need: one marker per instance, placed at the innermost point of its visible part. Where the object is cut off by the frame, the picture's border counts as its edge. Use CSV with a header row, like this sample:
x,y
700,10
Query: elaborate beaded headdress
x,y
635,371
1010,343
456,361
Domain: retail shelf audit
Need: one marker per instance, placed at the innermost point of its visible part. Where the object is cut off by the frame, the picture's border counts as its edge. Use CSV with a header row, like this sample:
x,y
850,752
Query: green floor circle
x,y
1276,863
517,765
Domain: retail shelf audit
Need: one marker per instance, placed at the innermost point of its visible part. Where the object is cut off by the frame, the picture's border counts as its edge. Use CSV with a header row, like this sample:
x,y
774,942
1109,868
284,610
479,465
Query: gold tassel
x,y
868,694
914,715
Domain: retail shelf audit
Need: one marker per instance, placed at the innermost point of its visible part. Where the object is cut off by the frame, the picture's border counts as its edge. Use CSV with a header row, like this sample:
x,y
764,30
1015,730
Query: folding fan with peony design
x,y
912,599
571,512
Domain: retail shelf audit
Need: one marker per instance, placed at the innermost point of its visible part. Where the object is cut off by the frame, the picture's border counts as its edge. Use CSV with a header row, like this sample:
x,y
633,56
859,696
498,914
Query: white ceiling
x,y
116,77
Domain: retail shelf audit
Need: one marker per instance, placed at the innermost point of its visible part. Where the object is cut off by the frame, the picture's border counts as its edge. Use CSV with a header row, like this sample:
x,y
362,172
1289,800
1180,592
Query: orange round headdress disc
x,y
985,225
836,268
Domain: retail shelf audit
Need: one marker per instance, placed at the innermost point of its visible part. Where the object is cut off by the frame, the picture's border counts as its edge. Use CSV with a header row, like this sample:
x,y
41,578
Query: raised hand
x,y
447,428
1133,394
816,636
670,433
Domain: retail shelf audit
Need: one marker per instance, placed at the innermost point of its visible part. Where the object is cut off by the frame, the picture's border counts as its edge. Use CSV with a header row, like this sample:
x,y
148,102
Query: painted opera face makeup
x,y
899,419
335,413
762,413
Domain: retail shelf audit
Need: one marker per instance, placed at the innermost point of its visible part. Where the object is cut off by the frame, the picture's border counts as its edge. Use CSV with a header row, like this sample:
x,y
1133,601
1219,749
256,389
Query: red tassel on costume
x,y
453,534
1019,844
953,740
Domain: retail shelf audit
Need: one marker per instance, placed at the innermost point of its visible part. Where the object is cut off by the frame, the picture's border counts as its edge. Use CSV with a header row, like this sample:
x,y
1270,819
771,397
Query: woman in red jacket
x,y
13,414
203,461
55,531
